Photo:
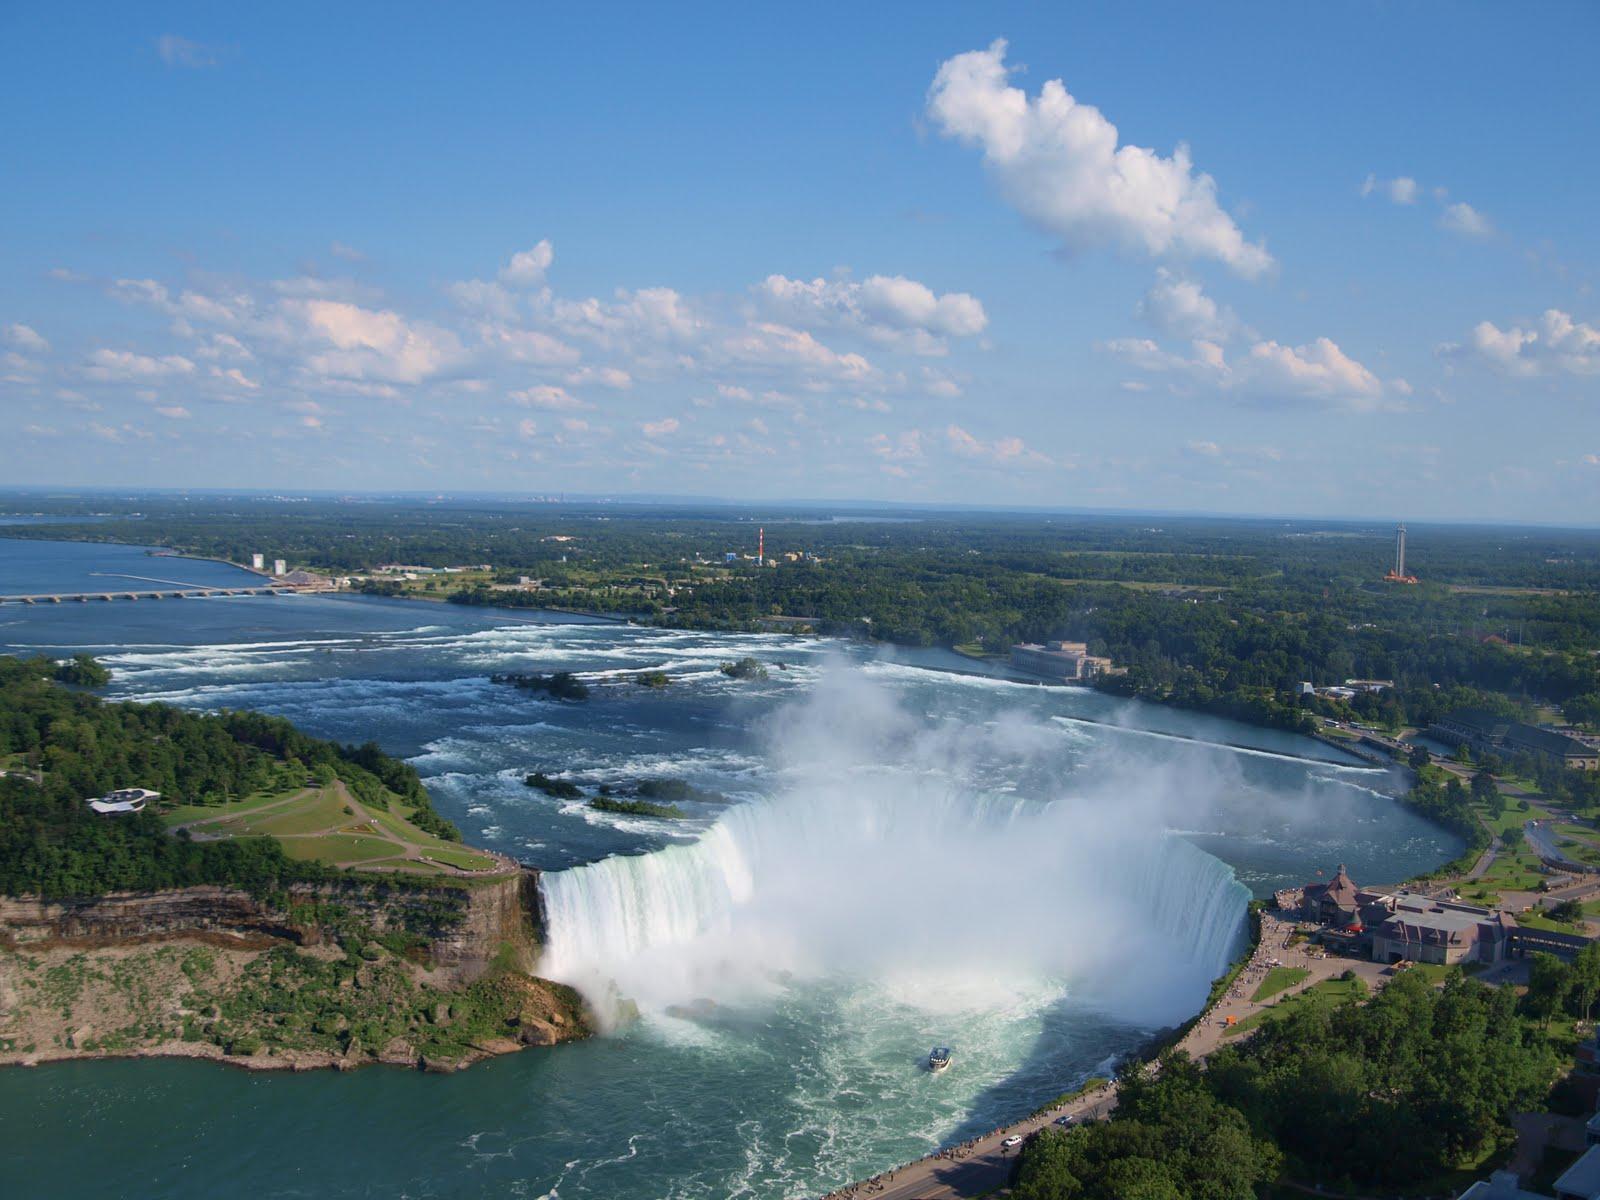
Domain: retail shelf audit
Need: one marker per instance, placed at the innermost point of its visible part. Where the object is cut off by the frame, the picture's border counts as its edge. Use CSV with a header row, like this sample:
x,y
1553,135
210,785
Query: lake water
x,y
902,857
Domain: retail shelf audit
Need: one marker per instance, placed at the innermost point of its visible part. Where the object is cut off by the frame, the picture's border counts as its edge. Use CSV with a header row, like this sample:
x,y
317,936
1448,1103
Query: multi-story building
x,y
1487,733
1066,662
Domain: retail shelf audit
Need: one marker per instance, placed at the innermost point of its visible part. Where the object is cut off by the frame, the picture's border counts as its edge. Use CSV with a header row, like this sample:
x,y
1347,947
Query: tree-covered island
x,y
288,902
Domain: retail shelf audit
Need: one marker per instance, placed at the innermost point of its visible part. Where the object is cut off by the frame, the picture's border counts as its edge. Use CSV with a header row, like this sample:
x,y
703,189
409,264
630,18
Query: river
x,y
901,857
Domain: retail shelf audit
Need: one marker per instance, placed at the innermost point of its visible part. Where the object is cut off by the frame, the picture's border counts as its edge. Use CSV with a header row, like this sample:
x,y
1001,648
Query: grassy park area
x,y
1325,995
327,825
1278,979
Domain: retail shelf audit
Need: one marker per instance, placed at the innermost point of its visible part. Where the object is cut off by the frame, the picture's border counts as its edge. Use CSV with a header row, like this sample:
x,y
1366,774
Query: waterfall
x,y
885,876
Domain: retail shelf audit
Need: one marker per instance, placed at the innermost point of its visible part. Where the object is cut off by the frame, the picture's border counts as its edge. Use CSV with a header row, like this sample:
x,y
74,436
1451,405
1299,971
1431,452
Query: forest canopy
x,y
60,747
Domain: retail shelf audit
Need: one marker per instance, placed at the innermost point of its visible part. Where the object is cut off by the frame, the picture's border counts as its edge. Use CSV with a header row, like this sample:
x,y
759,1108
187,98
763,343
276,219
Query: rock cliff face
x,y
500,922
133,916
382,971
464,929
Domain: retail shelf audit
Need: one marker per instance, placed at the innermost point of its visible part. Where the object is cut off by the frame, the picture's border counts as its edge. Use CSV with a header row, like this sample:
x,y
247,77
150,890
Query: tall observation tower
x,y
1398,573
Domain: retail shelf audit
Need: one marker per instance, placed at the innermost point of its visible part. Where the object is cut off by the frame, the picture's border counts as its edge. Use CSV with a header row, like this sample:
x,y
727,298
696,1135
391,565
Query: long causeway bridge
x,y
188,593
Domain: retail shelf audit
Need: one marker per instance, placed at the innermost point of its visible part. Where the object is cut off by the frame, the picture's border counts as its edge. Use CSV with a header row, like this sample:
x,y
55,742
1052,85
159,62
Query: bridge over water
x,y
163,594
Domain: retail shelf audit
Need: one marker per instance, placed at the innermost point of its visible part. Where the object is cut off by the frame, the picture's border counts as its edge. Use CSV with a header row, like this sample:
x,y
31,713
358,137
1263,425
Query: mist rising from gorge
x,y
883,857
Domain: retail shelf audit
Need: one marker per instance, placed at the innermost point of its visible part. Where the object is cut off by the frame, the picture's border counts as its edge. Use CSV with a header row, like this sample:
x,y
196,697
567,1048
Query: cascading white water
x,y
944,896
892,854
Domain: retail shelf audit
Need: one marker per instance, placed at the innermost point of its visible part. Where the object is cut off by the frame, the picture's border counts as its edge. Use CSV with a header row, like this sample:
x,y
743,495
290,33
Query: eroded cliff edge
x,y
333,973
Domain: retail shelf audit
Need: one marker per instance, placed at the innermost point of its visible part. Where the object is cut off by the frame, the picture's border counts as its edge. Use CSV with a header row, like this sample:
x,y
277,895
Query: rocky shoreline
x,y
369,973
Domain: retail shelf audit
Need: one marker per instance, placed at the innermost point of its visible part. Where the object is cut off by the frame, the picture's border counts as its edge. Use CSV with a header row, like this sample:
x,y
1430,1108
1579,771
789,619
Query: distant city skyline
x,y
1150,258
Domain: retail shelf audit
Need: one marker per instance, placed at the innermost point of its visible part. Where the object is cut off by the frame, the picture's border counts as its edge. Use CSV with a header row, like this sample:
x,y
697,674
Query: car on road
x,y
1012,1142
1064,1122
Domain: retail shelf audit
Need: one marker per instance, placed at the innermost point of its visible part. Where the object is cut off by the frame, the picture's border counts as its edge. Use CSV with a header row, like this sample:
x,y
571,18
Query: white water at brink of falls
x,y
945,902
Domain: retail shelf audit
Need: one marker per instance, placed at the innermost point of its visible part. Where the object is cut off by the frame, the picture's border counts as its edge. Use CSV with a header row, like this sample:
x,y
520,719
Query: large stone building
x,y
1336,903
1405,926
1486,733
1447,934
1066,662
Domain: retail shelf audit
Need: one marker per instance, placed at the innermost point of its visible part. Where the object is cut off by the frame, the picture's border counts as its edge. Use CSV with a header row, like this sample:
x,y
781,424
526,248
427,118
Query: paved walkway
x,y
1486,859
1212,1030
976,1166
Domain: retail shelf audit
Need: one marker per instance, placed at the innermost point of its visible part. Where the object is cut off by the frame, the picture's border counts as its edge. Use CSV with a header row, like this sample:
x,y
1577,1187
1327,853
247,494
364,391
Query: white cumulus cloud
x,y
1462,218
1555,345
375,344
1059,163
892,310
1269,371
1179,307
1005,451
1318,369
127,366
25,338
527,267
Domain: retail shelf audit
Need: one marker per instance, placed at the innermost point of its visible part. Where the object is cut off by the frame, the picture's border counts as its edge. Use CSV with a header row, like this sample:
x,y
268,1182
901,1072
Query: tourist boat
x,y
939,1058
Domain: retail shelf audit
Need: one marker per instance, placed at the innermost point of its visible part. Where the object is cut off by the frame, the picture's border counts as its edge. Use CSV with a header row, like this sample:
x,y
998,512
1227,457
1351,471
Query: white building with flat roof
x,y
123,800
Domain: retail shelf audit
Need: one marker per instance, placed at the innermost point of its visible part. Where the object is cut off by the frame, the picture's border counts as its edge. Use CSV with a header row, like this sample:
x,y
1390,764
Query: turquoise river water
x,y
1037,877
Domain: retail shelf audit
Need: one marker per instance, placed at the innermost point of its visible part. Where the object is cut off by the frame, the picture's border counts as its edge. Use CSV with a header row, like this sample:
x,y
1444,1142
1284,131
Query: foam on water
x,y
928,897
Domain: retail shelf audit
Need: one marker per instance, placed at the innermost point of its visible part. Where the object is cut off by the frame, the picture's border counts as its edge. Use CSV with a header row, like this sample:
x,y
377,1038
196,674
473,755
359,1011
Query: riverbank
x,y
211,996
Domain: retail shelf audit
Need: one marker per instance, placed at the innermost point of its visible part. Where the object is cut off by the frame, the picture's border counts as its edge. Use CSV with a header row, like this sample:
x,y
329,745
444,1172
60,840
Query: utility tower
x,y
1397,574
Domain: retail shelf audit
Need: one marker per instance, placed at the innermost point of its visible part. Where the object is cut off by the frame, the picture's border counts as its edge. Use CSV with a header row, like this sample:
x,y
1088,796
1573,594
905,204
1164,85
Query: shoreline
x,y
985,1154
643,621
296,1062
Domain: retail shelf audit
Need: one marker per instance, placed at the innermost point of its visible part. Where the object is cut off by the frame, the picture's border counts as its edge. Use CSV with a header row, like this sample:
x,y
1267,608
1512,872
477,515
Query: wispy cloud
x,y
178,51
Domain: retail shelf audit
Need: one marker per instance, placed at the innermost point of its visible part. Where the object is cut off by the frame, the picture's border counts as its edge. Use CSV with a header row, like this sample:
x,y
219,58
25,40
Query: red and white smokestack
x,y
761,545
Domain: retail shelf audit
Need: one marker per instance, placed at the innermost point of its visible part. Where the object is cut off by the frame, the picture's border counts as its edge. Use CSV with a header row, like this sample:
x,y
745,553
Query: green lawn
x,y
1536,919
293,816
315,812
1518,872
341,847
456,856
1437,973
453,853
185,813
1319,995
1279,979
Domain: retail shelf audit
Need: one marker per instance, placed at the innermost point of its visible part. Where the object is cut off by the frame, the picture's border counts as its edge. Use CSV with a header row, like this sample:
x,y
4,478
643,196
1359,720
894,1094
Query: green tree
x,y
1586,978
1549,982
83,670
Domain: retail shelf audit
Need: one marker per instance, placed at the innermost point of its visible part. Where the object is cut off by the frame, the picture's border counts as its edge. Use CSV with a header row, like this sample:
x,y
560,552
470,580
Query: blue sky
x,y
1265,258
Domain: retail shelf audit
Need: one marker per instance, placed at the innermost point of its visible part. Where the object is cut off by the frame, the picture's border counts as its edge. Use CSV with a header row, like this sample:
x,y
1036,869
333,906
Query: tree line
x,y
1392,1093
65,746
